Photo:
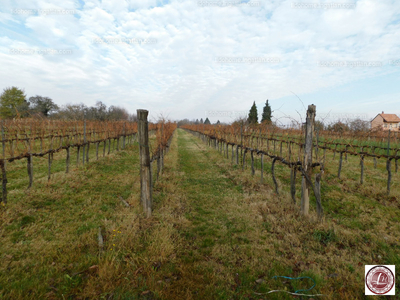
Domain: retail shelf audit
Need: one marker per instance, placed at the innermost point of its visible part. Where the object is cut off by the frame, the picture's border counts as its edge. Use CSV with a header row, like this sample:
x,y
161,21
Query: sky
x,y
198,59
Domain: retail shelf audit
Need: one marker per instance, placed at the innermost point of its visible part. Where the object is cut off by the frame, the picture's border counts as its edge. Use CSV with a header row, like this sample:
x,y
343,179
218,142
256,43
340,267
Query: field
x,y
216,231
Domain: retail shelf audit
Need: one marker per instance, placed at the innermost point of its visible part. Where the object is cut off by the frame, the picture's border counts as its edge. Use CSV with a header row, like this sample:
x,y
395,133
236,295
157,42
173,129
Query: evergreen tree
x,y
218,122
201,121
197,121
253,115
207,121
267,113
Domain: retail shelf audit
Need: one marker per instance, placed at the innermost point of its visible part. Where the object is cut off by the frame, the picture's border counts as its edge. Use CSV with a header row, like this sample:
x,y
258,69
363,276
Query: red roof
x,y
390,118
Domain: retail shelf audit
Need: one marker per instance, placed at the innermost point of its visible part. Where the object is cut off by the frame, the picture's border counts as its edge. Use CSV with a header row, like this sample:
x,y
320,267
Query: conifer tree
x,y
253,115
267,113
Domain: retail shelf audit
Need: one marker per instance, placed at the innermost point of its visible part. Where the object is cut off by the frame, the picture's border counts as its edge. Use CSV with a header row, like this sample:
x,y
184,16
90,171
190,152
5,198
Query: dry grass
x,y
215,230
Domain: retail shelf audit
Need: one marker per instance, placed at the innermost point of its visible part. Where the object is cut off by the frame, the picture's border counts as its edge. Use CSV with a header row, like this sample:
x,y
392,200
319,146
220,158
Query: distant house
x,y
386,122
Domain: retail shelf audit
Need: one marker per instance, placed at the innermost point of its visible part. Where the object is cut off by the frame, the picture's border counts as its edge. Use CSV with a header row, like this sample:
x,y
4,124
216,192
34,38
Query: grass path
x,y
225,246
239,235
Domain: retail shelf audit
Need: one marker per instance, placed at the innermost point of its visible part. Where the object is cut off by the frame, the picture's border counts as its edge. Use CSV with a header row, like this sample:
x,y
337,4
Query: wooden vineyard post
x,y
87,152
362,169
77,155
241,139
145,175
151,176
29,167
316,146
273,175
3,166
252,163
87,148
244,159
388,168
29,160
293,183
340,164
29,164
67,160
237,154
84,142
124,137
50,156
162,150
262,167
373,152
305,200
334,152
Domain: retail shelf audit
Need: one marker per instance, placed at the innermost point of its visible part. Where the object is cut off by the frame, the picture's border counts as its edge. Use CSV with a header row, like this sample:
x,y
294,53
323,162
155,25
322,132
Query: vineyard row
x,y
125,133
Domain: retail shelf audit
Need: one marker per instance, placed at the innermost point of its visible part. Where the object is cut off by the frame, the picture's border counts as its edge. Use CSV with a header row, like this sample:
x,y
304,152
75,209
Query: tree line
x,y
15,104
344,125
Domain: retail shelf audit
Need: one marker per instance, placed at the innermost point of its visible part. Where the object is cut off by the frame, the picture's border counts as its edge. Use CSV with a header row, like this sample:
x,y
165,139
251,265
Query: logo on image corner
x,y
379,280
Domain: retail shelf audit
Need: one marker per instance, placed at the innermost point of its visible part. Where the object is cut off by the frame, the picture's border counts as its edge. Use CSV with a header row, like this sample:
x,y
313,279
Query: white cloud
x,y
178,73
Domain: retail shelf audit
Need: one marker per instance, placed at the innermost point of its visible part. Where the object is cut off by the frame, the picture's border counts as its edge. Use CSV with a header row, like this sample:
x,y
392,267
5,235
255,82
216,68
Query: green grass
x,y
351,210
215,230
49,232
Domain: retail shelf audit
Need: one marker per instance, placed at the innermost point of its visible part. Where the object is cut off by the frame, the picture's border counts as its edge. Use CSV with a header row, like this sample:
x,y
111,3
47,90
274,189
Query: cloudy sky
x,y
197,59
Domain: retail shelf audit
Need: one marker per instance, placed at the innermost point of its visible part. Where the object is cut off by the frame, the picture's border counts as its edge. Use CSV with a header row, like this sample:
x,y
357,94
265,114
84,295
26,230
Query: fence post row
x,y
76,136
